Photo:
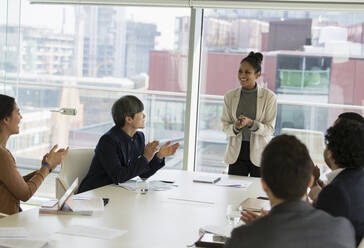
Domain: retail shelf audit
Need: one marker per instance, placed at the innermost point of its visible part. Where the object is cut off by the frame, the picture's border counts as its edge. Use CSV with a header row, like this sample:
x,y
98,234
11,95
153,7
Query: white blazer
x,y
265,117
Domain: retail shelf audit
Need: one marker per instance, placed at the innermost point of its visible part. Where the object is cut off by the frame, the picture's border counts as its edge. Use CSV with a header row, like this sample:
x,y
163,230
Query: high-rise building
x,y
37,51
140,39
104,41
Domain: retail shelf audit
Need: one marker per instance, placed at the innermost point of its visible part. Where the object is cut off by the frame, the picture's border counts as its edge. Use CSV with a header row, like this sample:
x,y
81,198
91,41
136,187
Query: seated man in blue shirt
x,y
121,153
286,173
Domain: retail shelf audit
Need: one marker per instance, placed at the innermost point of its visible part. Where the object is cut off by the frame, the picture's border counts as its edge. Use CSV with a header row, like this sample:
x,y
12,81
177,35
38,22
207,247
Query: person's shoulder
x,y
232,92
139,134
333,222
268,92
4,153
5,157
348,183
340,228
2,150
110,136
349,175
322,217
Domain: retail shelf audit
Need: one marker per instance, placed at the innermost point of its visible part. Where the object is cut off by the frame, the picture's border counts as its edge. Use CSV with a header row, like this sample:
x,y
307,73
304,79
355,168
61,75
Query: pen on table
x,y
165,181
263,198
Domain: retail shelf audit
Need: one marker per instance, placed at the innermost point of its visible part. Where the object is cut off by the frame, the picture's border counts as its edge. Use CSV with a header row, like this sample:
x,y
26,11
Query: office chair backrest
x,y
314,141
76,164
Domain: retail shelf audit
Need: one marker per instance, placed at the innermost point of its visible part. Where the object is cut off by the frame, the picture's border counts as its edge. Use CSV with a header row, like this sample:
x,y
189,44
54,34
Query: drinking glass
x,y
142,186
233,215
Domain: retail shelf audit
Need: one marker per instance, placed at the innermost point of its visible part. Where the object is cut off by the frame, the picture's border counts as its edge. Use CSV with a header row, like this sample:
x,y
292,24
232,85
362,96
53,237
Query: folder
x,y
68,204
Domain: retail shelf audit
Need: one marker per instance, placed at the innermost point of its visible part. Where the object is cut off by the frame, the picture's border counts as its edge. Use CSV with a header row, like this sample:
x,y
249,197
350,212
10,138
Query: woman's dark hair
x,y
6,106
345,140
352,116
125,106
255,60
286,167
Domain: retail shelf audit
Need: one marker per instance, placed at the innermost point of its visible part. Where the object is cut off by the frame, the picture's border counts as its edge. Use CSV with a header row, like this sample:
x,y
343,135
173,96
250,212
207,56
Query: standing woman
x,y
248,119
13,187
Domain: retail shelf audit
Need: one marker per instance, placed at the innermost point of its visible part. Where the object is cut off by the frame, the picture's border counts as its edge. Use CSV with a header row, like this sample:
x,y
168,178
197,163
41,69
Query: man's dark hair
x,y
7,104
125,106
345,140
255,60
286,167
352,116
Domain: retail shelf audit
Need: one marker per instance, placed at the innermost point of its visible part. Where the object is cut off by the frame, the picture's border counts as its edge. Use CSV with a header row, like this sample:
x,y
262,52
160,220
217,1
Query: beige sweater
x,y
13,187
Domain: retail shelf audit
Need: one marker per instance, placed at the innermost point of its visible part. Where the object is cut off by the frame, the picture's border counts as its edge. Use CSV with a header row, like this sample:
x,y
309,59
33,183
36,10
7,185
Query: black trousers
x,y
243,166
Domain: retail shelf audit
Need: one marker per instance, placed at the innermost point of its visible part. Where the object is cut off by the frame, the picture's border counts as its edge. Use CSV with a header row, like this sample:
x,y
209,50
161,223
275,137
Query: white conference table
x,y
152,220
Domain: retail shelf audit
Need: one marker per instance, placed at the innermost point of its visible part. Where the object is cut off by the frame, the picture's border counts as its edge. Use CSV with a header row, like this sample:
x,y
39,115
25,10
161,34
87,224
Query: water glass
x,y
142,186
233,215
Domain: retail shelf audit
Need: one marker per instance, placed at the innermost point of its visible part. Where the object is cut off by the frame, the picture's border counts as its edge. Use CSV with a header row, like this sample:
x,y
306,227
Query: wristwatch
x,y
47,165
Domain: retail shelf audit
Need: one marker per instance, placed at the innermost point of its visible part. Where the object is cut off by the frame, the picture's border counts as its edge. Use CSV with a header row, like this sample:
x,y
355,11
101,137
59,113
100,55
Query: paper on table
x,y
92,232
22,243
91,204
153,185
13,232
129,185
161,186
234,183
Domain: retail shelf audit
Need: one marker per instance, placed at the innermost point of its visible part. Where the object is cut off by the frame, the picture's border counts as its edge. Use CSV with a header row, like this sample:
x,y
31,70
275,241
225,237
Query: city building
x,y
140,39
37,50
103,41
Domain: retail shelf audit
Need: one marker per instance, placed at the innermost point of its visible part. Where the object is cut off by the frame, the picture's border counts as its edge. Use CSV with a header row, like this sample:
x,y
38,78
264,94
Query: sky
x,y
50,16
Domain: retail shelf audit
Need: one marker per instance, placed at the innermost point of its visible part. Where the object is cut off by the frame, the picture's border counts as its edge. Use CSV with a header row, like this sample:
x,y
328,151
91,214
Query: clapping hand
x,y
54,157
248,216
167,150
316,175
150,149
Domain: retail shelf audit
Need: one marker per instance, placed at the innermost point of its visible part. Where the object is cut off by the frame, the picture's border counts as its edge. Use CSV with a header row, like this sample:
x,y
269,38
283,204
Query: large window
x,y
312,60
86,57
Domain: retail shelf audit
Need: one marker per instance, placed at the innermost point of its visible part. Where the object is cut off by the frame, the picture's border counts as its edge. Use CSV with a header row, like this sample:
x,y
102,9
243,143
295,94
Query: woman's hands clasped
x,y
243,121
